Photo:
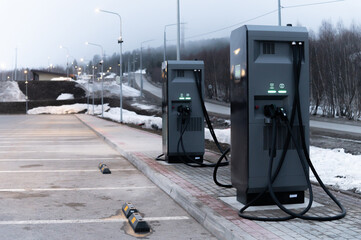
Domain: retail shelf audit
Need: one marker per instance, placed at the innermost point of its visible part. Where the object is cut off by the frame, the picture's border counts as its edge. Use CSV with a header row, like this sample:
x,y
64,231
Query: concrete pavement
x,y
212,206
51,187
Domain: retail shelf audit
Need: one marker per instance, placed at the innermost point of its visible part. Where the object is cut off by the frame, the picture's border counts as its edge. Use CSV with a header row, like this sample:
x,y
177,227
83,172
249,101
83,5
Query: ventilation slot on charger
x,y
268,48
281,137
195,124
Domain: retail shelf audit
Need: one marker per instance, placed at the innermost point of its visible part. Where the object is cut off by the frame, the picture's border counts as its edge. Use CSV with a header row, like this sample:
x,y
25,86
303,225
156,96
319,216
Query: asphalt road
x,y
156,91
51,187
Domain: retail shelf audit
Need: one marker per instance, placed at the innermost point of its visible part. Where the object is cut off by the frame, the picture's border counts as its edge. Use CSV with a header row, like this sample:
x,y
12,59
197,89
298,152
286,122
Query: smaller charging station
x,y
182,115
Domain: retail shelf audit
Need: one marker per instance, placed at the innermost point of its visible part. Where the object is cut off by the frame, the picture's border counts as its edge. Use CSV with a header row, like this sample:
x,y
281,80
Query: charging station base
x,y
266,199
182,159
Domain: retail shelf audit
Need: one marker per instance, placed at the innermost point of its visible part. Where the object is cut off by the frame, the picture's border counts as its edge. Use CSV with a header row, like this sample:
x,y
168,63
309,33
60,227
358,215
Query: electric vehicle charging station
x,y
182,116
262,83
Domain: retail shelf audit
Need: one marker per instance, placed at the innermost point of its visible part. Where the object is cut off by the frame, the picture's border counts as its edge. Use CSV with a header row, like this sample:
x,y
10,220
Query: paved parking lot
x,y
51,187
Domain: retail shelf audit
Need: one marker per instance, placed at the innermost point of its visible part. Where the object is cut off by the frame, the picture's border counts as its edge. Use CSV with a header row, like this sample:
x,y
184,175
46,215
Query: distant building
x,y
40,75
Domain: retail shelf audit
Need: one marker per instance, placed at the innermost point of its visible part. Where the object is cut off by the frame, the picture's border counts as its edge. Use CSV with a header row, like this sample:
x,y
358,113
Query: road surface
x,y
156,91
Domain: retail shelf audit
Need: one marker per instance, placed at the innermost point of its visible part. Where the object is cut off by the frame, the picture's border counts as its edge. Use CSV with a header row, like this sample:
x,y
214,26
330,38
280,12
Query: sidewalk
x,y
194,190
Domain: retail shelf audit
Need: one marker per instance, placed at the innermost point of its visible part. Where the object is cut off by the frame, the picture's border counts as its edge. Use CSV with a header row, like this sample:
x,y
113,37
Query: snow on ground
x,y
144,71
61,79
111,76
337,168
10,92
223,135
145,107
65,96
111,89
68,109
134,118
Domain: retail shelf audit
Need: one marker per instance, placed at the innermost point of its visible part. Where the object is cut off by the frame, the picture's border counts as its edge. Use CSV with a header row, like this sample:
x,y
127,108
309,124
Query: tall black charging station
x,y
262,75
182,115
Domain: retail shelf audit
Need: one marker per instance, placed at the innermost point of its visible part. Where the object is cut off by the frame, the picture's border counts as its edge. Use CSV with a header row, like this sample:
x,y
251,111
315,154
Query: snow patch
x,y
65,96
134,118
223,135
337,168
10,92
61,79
110,89
67,109
145,107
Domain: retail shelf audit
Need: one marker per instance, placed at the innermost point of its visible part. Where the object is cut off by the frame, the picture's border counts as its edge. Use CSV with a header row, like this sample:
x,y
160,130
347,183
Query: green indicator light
x,y
181,98
282,91
272,91
188,98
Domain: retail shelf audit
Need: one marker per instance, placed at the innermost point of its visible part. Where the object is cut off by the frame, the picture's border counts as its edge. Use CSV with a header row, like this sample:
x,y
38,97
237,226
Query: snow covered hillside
x,y
111,89
10,92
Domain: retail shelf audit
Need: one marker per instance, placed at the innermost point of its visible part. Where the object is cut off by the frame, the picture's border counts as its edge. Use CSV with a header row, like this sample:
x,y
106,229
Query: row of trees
x,y
335,68
335,71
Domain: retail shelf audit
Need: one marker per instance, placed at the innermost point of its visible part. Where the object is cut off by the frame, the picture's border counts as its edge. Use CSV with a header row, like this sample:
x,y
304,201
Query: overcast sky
x,y
38,27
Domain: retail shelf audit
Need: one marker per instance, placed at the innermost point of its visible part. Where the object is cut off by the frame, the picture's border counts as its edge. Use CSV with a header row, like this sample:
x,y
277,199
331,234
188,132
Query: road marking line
x,y
47,141
56,159
82,221
13,145
166,218
32,151
343,139
71,189
64,171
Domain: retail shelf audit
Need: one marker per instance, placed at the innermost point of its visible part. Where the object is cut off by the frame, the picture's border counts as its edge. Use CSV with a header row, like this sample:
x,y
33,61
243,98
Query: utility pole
x,y
178,31
141,66
16,63
129,70
279,12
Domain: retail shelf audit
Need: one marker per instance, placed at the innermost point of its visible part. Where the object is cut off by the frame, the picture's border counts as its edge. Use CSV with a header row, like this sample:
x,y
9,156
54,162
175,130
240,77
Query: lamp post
x,y
134,61
67,59
82,60
93,87
165,40
101,64
120,41
178,31
141,66
26,91
279,12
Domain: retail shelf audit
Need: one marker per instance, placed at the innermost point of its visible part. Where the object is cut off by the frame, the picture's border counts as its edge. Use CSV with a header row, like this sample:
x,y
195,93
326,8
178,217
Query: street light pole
x,y
279,12
93,86
165,40
26,91
178,31
101,64
141,66
67,59
120,41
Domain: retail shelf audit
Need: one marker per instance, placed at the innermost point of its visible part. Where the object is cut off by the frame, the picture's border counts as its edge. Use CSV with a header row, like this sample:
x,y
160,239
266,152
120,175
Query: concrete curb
x,y
217,225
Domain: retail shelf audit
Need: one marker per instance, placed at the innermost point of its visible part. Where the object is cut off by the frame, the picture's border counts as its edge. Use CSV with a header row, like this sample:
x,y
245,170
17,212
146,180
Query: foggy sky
x,y
37,27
